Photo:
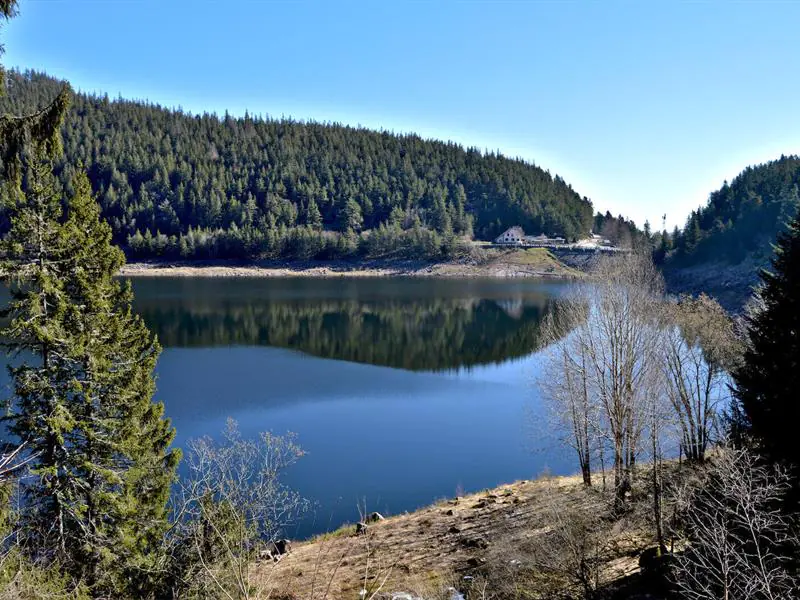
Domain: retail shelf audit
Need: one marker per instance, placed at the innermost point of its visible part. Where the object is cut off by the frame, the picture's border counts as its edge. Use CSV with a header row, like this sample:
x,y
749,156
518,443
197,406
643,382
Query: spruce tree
x,y
103,466
39,127
313,216
768,381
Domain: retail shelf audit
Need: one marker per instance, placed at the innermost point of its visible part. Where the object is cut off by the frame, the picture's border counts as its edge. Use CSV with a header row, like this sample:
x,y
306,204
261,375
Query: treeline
x,y
174,184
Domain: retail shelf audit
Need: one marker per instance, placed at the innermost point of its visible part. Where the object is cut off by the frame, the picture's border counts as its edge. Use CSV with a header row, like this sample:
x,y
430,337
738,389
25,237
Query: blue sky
x,y
644,107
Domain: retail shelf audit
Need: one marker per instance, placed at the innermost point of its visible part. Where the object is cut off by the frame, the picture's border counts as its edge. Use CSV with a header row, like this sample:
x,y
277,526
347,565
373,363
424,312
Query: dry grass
x,y
443,543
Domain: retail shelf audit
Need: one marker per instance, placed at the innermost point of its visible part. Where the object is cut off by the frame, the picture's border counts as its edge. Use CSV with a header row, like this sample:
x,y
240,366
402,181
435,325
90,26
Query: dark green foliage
x,y
744,217
768,382
176,185
83,387
17,131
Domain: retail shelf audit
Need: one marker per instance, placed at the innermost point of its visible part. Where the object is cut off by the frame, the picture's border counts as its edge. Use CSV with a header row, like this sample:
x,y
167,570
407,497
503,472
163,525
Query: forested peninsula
x,y
173,185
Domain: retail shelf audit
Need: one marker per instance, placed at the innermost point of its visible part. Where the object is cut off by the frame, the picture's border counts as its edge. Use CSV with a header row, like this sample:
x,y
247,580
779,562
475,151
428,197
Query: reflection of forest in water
x,y
398,330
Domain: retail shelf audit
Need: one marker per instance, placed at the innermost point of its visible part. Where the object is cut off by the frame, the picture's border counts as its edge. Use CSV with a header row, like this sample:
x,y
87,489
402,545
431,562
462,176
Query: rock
x,y
361,528
478,542
283,546
374,517
454,529
275,550
475,562
265,555
455,594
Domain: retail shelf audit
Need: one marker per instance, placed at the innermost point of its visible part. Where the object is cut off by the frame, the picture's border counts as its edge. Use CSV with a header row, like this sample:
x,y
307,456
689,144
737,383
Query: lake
x,y
401,391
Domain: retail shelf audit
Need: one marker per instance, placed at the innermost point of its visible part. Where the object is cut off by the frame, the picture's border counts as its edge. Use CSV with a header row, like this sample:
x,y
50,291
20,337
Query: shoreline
x,y
538,264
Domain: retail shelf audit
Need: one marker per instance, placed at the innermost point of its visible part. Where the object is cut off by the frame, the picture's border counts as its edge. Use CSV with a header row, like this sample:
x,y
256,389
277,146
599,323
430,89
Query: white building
x,y
513,236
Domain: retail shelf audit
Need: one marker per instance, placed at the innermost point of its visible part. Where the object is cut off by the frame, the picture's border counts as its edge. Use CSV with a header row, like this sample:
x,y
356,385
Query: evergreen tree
x,y
440,217
39,127
101,463
313,216
768,381
351,220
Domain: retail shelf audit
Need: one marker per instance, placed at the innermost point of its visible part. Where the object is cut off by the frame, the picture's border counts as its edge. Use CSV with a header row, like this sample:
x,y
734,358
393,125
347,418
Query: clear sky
x,y
644,107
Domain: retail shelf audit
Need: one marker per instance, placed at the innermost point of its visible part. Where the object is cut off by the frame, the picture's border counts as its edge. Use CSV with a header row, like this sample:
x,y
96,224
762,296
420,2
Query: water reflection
x,y
403,323
396,437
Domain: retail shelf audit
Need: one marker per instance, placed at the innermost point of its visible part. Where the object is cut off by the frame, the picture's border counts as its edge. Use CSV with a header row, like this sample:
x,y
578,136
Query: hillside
x,y
527,539
727,241
175,185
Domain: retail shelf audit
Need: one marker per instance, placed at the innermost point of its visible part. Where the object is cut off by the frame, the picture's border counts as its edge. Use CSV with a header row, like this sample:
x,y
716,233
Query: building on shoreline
x,y
515,236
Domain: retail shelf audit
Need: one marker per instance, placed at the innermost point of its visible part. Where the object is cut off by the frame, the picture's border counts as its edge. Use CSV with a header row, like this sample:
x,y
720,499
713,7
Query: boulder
x,y
276,550
283,546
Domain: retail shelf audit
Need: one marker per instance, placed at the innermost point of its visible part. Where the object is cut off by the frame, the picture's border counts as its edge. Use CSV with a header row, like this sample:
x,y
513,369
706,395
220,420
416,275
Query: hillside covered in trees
x,y
744,217
735,232
177,185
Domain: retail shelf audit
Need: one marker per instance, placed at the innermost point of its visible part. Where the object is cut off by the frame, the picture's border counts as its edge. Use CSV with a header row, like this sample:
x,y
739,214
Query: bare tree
x,y
232,506
740,542
605,369
566,384
699,348
12,459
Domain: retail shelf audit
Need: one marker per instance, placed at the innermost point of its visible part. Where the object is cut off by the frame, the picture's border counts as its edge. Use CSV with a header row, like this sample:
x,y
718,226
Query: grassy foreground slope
x,y
519,540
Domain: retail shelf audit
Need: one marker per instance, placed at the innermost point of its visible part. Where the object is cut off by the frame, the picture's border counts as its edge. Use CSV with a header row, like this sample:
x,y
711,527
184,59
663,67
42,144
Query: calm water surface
x,y
401,391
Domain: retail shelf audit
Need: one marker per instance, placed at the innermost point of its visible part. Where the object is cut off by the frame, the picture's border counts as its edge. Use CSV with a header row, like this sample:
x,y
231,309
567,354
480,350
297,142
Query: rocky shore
x,y
533,262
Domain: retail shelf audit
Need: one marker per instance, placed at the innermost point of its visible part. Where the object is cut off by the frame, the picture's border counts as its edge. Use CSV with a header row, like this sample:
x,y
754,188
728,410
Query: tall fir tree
x,y
768,381
39,127
102,462
313,216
